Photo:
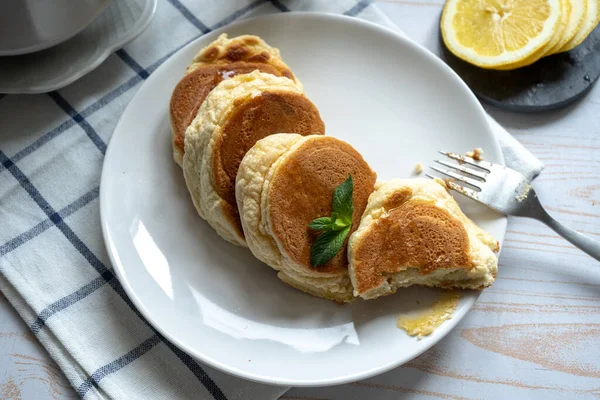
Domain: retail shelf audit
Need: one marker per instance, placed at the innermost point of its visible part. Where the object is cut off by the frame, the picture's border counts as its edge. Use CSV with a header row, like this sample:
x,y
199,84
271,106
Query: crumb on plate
x,y
418,168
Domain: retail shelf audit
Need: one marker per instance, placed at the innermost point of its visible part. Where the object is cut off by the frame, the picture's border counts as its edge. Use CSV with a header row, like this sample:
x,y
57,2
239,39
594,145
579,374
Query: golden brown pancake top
x,y
413,233
251,120
302,190
241,49
191,91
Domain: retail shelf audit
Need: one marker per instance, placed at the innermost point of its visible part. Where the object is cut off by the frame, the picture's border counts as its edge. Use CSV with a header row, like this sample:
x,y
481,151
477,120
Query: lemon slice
x,y
565,8
589,23
493,33
576,18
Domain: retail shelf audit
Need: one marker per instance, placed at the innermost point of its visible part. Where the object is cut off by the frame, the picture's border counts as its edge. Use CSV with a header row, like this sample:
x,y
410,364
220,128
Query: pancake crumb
x,y
448,181
441,181
524,193
476,154
426,322
418,168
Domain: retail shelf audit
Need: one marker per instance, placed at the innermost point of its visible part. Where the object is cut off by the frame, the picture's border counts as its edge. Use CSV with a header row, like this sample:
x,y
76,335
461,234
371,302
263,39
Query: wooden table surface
x,y
535,334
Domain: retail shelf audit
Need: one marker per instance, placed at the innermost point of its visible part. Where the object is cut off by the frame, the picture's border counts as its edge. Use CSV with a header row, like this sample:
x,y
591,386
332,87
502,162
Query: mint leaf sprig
x,y
334,228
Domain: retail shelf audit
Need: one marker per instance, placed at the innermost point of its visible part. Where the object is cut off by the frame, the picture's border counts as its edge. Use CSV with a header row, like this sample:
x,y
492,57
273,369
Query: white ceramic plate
x,y
392,100
58,66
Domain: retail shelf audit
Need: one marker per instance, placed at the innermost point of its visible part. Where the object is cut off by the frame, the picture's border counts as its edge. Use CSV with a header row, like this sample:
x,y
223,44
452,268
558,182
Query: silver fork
x,y
507,191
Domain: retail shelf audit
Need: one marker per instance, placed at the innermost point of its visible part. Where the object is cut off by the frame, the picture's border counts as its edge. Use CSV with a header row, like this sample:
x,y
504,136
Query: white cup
x,y
31,25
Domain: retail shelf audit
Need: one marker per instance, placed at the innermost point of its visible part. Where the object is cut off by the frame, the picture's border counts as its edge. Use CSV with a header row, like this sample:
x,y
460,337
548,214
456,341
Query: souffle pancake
x,y
236,114
414,233
222,59
283,183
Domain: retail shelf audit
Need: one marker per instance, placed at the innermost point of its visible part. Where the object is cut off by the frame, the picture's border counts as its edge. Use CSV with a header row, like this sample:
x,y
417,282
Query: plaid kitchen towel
x,y
53,264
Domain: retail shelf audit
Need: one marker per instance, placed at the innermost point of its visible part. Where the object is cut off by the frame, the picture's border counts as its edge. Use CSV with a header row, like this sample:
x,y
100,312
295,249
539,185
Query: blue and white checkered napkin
x,y
53,264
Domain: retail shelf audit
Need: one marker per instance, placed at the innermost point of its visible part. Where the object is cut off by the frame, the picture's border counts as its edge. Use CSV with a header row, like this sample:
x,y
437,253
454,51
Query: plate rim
x,y
117,265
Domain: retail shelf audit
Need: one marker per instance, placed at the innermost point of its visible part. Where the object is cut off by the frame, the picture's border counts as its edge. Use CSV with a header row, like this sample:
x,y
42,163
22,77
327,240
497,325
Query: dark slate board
x,y
550,83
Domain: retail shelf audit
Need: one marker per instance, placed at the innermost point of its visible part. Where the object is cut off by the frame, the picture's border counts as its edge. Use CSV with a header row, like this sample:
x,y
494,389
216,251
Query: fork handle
x,y
585,243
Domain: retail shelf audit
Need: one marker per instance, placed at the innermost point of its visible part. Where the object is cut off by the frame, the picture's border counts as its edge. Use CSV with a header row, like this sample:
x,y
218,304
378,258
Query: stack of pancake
x,y
259,168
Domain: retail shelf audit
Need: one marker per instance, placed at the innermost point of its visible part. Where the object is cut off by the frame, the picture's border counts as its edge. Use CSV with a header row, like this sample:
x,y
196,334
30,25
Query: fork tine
x,y
460,189
460,158
468,171
463,190
458,177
